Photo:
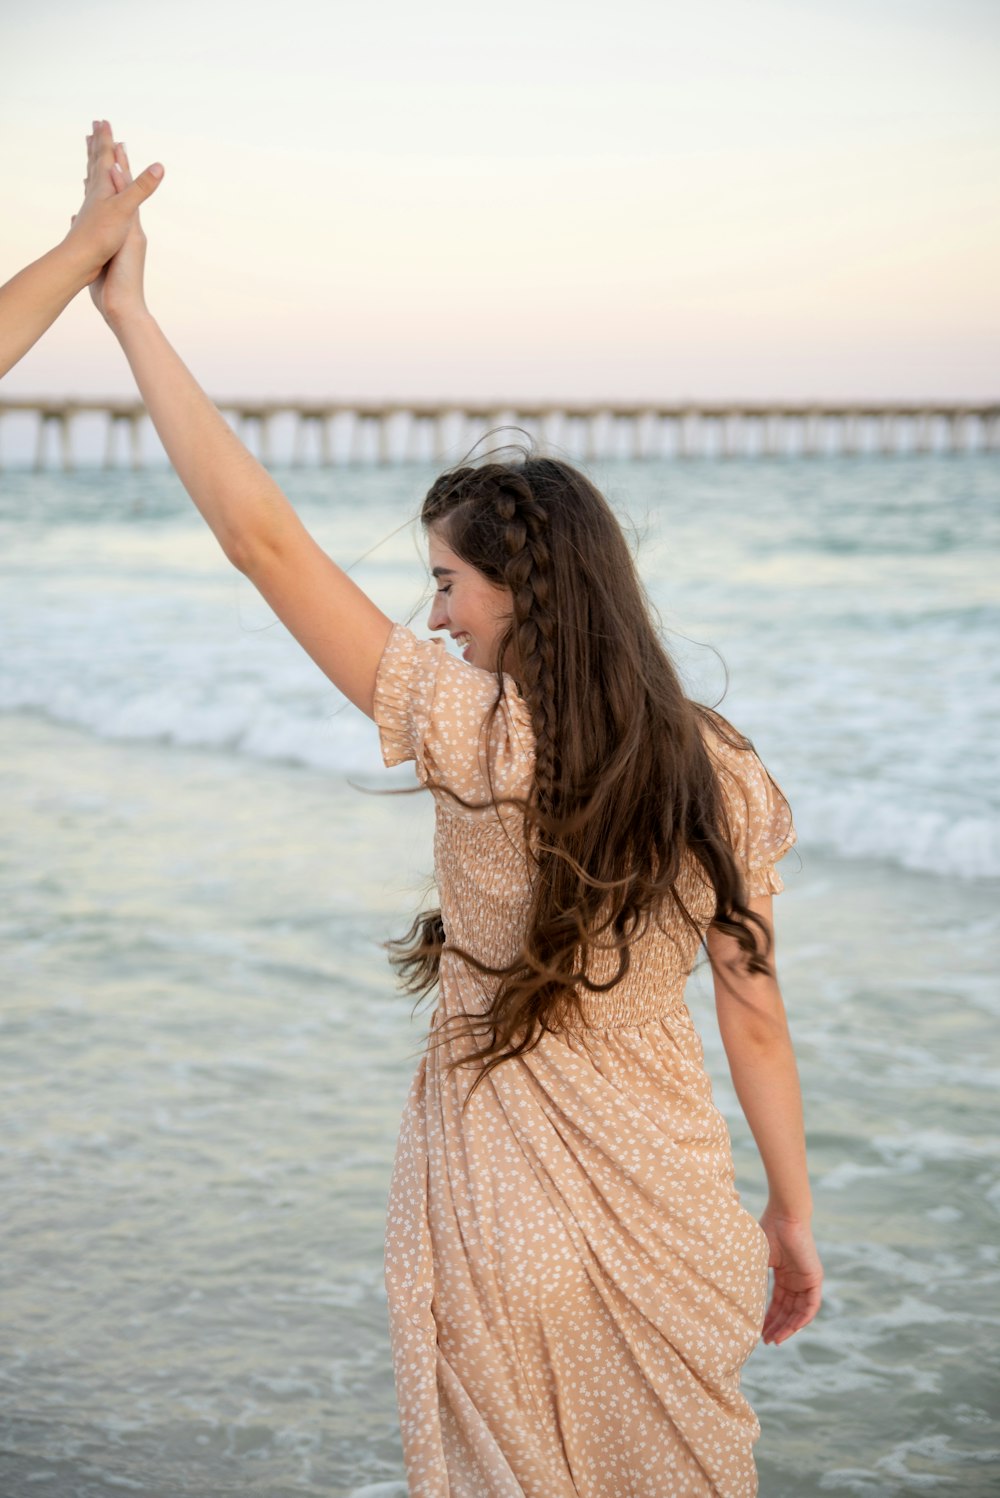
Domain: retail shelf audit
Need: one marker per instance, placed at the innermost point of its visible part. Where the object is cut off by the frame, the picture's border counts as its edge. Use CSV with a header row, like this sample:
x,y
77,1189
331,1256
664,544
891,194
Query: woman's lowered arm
x,y
754,1029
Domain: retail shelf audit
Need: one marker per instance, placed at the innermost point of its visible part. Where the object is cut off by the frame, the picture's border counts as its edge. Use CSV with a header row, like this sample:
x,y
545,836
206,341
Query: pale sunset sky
x,y
785,198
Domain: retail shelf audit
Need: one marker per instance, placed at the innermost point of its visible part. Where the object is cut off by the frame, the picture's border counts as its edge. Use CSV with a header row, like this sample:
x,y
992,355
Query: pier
x,y
336,433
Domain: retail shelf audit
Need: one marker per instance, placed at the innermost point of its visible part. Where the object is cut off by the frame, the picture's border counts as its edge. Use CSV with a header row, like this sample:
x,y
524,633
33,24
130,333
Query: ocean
x,y
203,1057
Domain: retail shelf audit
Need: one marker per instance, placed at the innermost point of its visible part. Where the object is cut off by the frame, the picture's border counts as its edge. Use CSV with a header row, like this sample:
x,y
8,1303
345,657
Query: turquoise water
x,y
203,1058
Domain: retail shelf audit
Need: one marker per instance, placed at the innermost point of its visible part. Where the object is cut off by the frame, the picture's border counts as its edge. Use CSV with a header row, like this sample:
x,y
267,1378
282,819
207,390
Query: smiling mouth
x,y
462,639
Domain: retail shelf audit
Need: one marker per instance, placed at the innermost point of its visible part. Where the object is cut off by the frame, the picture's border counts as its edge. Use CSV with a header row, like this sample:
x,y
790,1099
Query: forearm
x,y
237,496
765,1076
31,301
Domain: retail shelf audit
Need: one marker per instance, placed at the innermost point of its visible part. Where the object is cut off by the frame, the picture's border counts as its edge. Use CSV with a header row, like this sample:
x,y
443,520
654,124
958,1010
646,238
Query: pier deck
x,y
330,433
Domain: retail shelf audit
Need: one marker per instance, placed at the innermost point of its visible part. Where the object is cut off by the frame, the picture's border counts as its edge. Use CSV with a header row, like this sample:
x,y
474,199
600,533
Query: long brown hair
x,y
623,783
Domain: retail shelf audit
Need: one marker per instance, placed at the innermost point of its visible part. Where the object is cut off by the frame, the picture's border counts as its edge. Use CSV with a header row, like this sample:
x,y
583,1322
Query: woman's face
x,y
474,611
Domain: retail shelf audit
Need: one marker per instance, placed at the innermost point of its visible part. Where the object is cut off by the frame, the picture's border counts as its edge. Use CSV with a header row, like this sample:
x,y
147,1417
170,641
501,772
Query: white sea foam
x,y
853,608
862,820
854,819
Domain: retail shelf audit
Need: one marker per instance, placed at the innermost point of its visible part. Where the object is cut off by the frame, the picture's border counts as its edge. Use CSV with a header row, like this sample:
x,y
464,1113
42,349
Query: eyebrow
x,y
443,572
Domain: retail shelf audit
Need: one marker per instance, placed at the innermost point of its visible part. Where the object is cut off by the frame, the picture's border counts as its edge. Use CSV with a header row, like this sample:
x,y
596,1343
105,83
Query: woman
x,y
573,1283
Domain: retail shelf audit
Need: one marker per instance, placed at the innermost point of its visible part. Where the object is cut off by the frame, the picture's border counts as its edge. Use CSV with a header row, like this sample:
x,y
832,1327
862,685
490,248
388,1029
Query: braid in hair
x,y
527,575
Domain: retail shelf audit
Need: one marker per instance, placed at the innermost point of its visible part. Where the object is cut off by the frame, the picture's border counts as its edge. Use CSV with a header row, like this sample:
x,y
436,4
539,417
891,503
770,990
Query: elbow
x,y
764,1035
247,553
237,553
258,532
752,1029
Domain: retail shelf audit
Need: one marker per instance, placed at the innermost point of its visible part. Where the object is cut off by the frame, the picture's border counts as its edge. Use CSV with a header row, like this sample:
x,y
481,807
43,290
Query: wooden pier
x,y
333,433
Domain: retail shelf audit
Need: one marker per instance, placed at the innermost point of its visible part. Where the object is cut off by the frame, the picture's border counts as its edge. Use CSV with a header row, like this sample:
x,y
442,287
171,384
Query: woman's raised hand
x,y
798,1276
110,204
117,290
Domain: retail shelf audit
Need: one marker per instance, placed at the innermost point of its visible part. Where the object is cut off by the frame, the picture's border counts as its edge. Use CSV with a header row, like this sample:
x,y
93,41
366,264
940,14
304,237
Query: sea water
x,y
203,1056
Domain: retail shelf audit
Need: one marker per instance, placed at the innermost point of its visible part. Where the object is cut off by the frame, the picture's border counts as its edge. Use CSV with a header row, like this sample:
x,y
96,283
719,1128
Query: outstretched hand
x,y
99,227
118,288
32,299
798,1277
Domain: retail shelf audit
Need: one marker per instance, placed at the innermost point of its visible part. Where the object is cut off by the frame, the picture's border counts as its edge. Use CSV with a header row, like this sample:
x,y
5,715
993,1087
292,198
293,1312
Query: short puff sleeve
x,y
433,709
759,817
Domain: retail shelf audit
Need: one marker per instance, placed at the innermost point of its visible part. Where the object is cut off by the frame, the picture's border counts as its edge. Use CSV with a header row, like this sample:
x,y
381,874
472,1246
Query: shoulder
x,y
448,715
428,667
732,752
756,810
727,747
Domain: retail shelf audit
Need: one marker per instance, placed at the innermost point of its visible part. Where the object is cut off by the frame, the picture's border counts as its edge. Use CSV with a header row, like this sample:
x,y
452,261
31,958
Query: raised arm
x,y
754,1029
257,528
32,300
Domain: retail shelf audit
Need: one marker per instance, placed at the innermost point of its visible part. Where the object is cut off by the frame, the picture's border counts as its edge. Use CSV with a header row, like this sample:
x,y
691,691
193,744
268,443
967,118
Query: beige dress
x,y
573,1283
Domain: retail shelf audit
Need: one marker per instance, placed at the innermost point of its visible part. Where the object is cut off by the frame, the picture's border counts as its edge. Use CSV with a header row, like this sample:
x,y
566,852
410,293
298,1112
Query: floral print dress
x,y
573,1282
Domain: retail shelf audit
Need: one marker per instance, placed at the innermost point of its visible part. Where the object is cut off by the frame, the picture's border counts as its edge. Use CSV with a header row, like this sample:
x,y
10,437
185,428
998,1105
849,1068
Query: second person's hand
x,y
118,291
100,225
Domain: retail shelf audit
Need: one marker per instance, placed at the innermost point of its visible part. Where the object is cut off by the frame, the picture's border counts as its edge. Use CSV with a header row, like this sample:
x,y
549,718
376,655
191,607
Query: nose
x,y
438,616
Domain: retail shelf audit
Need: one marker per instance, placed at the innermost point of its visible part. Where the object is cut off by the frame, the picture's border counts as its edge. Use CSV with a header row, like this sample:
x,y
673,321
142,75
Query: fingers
x,y
789,1312
104,143
780,1327
121,172
108,164
786,1323
135,193
100,155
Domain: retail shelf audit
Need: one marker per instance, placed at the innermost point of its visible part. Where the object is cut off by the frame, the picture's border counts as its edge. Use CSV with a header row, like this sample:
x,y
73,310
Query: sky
x,y
637,200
